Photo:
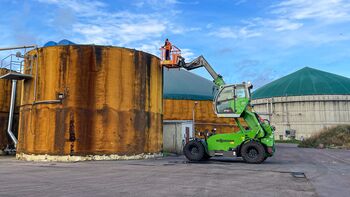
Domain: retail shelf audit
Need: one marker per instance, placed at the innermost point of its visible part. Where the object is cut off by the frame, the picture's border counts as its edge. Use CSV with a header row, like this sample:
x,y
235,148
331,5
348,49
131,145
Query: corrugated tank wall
x,y
205,118
307,115
5,98
112,104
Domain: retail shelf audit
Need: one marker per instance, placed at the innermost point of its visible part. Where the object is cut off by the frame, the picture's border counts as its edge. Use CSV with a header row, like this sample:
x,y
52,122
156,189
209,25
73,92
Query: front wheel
x,y
253,152
194,151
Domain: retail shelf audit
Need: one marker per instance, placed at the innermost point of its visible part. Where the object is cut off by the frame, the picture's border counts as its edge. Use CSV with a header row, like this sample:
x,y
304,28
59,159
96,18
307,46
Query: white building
x,y
304,102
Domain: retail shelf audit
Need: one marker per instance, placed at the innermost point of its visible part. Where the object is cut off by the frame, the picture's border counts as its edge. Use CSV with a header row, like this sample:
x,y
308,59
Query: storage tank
x,y
5,96
88,102
304,102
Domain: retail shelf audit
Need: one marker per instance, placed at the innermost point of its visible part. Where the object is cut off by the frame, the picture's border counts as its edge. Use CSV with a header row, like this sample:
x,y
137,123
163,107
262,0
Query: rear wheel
x,y
194,151
253,152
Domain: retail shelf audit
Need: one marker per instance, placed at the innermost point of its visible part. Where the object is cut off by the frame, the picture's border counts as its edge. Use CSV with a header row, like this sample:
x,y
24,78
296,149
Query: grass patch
x,y
333,137
291,141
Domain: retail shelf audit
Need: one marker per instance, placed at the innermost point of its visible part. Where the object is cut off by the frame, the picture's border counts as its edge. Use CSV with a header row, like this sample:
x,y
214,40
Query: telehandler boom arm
x,y
201,62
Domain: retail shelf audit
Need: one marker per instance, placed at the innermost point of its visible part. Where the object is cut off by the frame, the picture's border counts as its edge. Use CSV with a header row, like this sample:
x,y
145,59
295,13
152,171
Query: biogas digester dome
x,y
91,102
305,102
181,84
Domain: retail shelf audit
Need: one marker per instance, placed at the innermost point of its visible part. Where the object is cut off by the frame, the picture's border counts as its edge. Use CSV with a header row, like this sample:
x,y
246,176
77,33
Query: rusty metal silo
x,y
5,94
87,102
5,97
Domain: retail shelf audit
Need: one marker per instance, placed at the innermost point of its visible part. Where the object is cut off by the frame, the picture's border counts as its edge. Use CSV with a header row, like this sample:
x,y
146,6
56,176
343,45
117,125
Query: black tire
x,y
194,151
253,152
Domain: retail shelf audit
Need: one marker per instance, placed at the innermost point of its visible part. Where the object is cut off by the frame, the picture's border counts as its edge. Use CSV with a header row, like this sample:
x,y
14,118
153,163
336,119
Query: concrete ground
x,y
327,173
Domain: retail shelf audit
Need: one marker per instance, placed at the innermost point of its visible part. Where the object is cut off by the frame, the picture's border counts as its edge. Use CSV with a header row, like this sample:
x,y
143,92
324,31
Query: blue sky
x,y
244,40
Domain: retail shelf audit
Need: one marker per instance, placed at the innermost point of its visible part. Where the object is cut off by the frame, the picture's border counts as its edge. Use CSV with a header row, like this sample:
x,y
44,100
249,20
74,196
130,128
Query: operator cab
x,y
231,100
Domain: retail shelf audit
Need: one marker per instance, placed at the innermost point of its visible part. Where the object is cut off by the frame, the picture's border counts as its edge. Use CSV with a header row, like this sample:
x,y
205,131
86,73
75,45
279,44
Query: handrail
x,y
20,47
13,63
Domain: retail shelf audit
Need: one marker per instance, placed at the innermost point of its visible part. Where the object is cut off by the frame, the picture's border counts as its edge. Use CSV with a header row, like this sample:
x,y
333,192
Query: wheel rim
x,y
194,150
253,153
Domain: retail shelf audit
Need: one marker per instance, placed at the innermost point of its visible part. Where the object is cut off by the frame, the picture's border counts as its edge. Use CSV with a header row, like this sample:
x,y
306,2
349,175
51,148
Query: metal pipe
x,y
214,124
271,108
36,73
20,47
47,102
12,109
267,107
193,119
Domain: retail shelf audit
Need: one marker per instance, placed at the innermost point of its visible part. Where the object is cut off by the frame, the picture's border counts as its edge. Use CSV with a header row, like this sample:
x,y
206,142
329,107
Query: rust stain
x,y
112,105
71,134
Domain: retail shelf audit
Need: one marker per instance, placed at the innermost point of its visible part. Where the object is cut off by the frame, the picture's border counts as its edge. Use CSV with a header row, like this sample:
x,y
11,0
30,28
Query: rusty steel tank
x,y
5,98
88,102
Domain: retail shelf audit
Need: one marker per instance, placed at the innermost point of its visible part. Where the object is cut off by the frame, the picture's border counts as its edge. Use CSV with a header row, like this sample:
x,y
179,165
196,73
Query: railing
x,y
12,63
12,67
174,54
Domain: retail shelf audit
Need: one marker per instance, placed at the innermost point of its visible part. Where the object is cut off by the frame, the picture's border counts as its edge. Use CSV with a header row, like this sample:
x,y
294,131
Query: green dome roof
x,y
306,81
182,84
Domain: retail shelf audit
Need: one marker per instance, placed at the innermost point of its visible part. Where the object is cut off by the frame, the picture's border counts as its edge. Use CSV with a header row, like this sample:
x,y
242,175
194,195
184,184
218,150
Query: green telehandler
x,y
254,141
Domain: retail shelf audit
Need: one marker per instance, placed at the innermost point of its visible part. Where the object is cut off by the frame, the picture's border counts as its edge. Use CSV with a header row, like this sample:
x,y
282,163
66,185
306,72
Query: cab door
x,y
231,101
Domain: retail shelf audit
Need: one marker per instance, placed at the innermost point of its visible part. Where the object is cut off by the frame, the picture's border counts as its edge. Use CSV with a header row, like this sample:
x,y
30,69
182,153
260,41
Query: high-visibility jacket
x,y
167,45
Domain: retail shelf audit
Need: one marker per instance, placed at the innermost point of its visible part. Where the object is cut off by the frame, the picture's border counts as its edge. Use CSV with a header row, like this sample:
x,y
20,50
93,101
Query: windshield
x,y
225,99
226,94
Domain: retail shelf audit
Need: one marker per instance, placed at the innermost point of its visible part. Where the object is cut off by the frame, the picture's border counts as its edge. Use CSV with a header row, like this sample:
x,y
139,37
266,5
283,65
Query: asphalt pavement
x,y
291,172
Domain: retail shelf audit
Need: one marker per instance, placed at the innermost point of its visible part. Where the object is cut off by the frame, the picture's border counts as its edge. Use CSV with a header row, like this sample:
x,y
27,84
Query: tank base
x,y
68,158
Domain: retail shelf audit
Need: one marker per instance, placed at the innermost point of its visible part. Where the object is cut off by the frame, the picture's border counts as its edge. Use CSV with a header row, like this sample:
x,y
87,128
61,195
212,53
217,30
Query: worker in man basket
x,y
168,47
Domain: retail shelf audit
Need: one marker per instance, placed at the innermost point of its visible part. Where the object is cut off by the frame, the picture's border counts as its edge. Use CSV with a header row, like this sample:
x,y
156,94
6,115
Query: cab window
x,y
240,93
224,99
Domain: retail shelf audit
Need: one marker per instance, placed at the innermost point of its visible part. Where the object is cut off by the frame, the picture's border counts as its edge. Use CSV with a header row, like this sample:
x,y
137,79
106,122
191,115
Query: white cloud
x,y
283,25
179,29
239,2
209,25
329,10
84,8
235,33
120,30
293,22
152,47
187,54
96,24
277,24
155,4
